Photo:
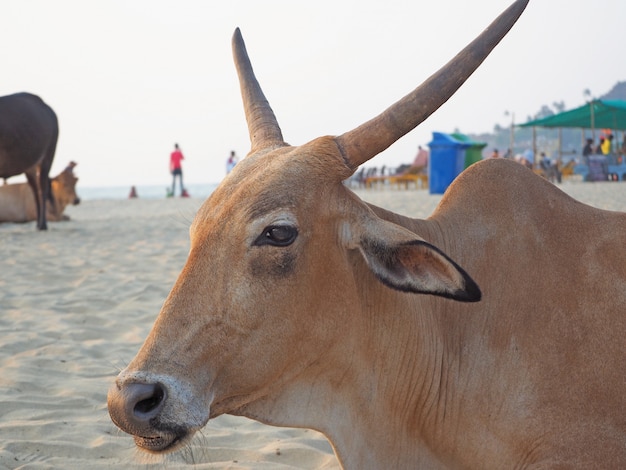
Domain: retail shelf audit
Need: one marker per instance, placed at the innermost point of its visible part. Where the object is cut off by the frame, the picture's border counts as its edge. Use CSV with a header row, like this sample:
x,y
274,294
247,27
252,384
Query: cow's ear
x,y
410,264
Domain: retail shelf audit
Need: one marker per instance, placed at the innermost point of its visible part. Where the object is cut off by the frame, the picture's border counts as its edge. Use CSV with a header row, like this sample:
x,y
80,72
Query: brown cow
x,y
300,305
17,202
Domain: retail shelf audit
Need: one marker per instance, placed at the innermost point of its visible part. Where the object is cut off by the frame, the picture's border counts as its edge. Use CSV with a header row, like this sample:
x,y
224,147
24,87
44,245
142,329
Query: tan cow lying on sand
x,y
17,202
300,305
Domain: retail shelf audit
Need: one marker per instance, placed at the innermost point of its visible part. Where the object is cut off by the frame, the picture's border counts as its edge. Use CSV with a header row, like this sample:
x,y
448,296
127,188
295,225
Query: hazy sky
x,y
128,78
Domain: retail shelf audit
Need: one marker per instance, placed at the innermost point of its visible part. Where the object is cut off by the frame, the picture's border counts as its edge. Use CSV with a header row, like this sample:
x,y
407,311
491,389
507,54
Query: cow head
x,y
64,189
284,261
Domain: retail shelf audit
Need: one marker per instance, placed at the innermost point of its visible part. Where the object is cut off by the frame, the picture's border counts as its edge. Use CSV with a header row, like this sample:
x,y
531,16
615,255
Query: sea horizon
x,y
147,191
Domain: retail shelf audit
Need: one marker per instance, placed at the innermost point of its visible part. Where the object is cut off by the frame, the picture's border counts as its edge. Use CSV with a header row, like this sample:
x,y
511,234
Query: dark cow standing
x,y
28,138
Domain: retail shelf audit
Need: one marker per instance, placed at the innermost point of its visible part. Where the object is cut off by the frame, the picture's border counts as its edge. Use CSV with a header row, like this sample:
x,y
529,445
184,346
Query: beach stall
x,y
596,114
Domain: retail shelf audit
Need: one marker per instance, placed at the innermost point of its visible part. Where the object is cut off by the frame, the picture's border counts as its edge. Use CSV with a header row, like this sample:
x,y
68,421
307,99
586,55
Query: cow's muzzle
x,y
136,408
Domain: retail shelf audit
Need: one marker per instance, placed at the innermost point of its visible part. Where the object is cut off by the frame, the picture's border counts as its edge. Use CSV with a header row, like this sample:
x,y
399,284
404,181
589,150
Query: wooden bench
x,y
413,175
420,180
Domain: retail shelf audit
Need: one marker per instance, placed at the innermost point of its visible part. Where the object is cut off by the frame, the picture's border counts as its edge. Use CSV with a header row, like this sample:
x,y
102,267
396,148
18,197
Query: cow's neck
x,y
357,408
415,420
380,423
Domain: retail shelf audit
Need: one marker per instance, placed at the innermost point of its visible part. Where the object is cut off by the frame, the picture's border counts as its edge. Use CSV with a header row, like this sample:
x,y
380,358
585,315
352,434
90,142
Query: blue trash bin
x,y
447,161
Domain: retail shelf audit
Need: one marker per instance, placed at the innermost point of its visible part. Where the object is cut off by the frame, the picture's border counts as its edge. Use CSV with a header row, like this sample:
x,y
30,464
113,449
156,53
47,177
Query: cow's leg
x,y
34,181
46,186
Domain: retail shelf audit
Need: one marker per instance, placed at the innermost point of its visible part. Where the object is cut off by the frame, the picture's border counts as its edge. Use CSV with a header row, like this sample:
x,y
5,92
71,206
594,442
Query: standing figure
x,y
607,145
587,149
176,168
231,162
421,159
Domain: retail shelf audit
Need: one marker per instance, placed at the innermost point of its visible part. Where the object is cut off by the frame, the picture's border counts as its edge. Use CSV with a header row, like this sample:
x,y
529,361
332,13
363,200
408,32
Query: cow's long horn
x,y
262,124
371,138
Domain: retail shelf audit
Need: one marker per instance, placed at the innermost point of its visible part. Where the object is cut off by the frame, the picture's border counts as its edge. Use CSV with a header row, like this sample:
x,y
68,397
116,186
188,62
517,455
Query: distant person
x,y
545,163
607,145
587,149
598,149
176,168
529,155
133,193
550,168
231,162
519,158
421,159
495,154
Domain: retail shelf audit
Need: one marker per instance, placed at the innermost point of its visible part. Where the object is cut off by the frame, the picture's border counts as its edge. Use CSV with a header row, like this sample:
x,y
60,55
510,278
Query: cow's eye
x,y
277,235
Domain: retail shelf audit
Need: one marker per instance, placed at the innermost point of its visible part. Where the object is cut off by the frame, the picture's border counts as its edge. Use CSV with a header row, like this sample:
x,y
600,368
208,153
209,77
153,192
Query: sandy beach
x,y
76,304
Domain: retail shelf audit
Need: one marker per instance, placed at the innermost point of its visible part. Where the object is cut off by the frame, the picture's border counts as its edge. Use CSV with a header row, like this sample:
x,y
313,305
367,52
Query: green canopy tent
x,y
598,114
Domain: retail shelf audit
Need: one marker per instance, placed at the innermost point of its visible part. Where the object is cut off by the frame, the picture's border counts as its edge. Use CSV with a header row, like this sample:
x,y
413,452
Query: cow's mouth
x,y
161,443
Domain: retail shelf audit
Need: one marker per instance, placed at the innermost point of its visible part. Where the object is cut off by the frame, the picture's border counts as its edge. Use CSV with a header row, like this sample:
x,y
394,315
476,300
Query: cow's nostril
x,y
137,403
136,407
150,404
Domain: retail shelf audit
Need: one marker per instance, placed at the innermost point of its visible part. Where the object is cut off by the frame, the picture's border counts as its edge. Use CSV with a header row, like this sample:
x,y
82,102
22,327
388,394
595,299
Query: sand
x,y
76,304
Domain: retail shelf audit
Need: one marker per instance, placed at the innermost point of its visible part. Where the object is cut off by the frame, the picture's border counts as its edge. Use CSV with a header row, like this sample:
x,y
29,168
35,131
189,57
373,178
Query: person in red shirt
x,y
176,168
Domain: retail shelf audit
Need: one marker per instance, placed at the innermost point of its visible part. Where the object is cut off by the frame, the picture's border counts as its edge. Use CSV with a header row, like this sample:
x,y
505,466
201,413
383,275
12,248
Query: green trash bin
x,y
474,151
